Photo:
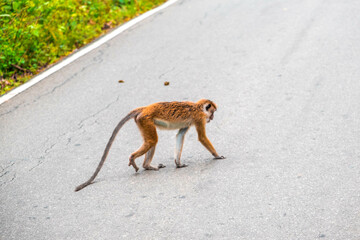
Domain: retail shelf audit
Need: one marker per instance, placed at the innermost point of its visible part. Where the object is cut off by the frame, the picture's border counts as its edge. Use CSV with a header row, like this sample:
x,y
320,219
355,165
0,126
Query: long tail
x,y
131,115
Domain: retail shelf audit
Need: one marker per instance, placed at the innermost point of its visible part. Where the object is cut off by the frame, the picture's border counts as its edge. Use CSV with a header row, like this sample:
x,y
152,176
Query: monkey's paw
x,y
181,165
219,157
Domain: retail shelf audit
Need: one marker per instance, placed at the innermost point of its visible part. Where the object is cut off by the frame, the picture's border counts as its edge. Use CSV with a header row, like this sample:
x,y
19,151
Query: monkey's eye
x,y
207,107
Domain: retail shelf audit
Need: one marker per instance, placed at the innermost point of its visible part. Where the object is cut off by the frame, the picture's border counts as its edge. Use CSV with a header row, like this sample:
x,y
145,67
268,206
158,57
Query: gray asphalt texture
x,y
286,78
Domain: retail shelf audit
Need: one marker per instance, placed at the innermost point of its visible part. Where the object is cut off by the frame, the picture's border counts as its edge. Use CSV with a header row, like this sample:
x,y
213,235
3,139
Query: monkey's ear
x,y
207,107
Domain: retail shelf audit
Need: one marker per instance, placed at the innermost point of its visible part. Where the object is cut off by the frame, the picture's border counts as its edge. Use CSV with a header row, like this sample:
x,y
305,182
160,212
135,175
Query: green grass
x,y
36,33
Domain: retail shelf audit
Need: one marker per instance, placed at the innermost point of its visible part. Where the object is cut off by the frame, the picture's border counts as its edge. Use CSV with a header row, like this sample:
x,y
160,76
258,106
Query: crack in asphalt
x,y
6,167
42,157
6,172
81,123
169,71
40,161
12,110
3,174
9,181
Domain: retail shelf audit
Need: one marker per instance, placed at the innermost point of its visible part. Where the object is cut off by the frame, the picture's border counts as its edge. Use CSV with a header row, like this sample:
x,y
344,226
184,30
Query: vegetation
x,y
36,33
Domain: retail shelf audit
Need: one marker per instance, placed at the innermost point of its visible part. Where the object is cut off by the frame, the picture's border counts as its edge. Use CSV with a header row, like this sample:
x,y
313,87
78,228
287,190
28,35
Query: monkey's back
x,y
173,111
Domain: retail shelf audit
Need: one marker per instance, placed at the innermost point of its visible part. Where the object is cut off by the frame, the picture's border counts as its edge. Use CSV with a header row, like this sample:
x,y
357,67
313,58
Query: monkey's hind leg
x,y
179,146
132,162
148,131
148,158
143,149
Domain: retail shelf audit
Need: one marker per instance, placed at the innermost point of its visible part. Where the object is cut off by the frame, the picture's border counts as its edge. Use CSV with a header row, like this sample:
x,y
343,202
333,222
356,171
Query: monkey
x,y
164,115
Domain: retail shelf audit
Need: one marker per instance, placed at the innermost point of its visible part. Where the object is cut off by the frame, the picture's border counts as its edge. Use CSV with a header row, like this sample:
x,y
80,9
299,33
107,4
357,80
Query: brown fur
x,y
164,115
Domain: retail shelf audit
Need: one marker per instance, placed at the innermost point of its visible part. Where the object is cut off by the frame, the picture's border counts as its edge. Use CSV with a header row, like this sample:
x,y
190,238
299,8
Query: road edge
x,y
88,48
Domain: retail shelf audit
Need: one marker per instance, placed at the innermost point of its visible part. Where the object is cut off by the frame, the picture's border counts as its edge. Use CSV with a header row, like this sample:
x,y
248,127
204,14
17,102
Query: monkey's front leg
x,y
200,128
179,145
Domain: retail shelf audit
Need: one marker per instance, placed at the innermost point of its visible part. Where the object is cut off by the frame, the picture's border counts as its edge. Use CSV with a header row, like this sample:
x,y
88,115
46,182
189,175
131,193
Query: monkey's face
x,y
209,110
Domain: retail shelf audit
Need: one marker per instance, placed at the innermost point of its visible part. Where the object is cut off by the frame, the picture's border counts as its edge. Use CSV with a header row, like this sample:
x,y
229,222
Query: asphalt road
x,y
286,78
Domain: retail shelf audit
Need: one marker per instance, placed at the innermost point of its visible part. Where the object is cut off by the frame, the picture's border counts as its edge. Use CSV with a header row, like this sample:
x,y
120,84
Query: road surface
x,y
286,77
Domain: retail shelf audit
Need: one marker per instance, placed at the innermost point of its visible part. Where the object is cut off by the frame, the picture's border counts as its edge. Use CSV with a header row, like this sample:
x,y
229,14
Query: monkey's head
x,y
209,108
